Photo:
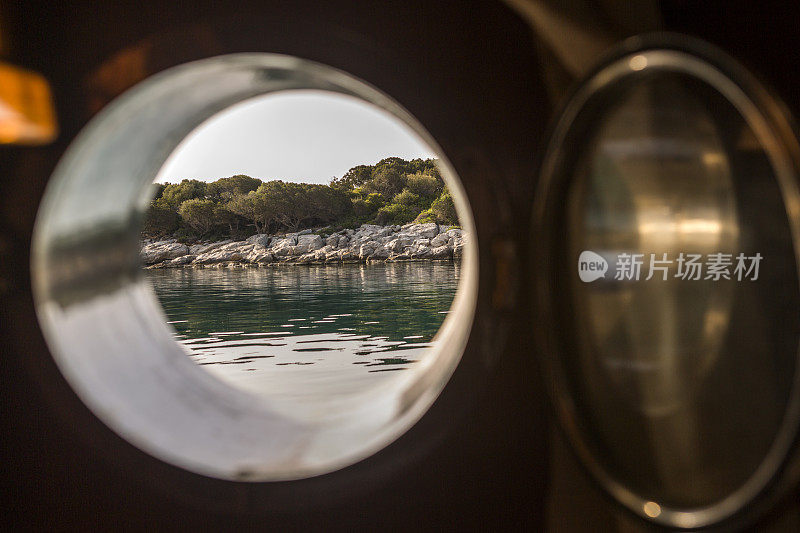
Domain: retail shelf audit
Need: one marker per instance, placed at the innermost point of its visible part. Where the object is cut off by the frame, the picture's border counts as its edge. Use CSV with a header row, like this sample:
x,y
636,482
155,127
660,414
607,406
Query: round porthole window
x,y
107,330
667,226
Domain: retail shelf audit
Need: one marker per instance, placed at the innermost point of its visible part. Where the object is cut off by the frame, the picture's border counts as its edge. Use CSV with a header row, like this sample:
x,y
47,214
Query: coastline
x,y
368,243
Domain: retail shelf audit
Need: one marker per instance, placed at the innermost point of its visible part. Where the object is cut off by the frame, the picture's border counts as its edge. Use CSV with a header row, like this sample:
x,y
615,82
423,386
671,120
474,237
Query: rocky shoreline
x,y
369,243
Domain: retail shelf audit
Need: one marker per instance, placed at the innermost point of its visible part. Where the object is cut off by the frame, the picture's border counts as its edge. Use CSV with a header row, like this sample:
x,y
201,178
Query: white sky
x,y
307,136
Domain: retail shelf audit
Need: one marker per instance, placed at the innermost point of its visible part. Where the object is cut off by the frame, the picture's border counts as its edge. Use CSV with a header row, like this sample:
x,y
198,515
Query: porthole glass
x,y
667,212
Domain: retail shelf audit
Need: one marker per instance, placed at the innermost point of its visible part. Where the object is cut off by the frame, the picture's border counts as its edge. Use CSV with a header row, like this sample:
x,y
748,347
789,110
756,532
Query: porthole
x,y
667,228
107,331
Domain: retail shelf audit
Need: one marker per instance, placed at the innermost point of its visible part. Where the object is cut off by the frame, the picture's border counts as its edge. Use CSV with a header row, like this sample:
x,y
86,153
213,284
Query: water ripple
x,y
359,319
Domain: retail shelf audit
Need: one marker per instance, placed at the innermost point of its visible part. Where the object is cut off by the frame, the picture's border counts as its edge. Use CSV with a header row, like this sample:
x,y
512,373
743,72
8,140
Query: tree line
x,y
393,191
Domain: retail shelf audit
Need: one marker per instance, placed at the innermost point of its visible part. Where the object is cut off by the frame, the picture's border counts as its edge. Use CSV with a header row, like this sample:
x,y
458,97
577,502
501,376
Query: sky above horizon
x,y
304,136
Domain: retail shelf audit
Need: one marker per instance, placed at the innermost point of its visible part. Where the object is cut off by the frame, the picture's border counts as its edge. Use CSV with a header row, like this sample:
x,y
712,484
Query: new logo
x,y
591,266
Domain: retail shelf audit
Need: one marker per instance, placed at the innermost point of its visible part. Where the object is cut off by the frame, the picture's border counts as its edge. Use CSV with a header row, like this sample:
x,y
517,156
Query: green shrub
x,y
407,198
386,181
396,213
444,209
425,217
393,191
225,189
198,214
174,194
351,222
424,186
159,221
366,206
185,235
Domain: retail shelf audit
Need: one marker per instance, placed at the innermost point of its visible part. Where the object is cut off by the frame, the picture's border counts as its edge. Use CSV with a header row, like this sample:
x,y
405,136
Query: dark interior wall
x,y
478,458
471,72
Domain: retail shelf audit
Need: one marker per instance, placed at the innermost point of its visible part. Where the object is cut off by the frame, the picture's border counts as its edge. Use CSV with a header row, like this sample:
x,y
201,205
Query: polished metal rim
x,y
107,332
767,118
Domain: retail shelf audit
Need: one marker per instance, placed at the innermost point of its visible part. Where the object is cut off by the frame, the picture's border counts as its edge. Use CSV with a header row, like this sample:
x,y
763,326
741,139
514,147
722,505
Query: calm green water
x,y
299,329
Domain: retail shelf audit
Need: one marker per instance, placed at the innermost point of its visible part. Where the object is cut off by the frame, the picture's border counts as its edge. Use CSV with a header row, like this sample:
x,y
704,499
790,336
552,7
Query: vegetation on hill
x,y
393,191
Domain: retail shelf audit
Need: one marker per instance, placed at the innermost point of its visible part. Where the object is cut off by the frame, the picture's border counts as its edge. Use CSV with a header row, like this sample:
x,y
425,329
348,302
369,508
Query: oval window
x,y
666,220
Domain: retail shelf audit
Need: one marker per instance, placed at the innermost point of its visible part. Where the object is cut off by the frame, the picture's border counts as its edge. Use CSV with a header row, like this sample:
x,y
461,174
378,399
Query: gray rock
x,y
399,243
259,238
422,252
220,255
369,229
441,252
162,250
311,242
385,231
369,242
348,255
381,252
197,249
306,258
287,240
182,260
440,240
283,251
366,249
260,256
429,230
400,257
458,248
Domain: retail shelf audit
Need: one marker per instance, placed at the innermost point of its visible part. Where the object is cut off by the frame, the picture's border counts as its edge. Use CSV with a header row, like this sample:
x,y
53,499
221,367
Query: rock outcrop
x,y
160,251
365,244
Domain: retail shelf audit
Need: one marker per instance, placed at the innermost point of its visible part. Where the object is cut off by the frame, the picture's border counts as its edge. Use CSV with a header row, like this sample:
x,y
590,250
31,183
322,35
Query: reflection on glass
x,y
668,371
649,189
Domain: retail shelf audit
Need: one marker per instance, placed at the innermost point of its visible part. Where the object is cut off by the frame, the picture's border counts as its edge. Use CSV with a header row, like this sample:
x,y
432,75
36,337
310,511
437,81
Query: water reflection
x,y
301,331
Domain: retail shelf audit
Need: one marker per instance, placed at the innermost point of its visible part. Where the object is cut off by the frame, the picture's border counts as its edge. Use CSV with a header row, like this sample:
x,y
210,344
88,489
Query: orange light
x,y
27,115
